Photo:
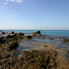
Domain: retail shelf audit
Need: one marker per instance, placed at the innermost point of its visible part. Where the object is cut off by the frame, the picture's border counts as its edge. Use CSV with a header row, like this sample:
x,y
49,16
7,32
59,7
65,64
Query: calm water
x,y
53,33
28,44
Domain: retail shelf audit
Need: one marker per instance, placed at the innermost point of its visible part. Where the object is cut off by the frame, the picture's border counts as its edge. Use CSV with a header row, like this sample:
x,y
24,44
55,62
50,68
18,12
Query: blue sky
x,y
34,14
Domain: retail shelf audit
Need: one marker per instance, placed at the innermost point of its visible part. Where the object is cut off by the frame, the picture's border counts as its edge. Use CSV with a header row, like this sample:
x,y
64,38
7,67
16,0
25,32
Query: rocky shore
x,y
35,59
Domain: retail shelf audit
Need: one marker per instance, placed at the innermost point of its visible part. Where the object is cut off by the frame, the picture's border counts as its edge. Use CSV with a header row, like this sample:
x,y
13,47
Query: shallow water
x,y
29,45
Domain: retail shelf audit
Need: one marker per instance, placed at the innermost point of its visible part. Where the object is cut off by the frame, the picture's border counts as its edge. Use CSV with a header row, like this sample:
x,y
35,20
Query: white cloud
x,y
12,0
19,1
7,0
5,3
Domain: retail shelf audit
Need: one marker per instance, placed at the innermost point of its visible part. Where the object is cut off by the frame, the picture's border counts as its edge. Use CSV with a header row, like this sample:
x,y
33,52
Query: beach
x,y
33,50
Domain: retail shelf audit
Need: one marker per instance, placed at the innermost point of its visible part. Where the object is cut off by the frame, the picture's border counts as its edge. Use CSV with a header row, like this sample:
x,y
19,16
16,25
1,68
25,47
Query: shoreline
x,y
15,59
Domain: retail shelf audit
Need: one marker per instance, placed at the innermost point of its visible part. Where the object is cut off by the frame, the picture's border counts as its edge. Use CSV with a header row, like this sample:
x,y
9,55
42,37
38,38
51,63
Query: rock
x,y
11,35
38,32
3,32
38,35
51,38
13,45
28,37
20,33
8,36
12,32
65,40
1,40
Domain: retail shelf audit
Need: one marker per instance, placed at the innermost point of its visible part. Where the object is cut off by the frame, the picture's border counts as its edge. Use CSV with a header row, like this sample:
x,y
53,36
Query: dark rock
x,y
3,32
38,32
1,40
12,32
10,36
28,37
21,34
13,45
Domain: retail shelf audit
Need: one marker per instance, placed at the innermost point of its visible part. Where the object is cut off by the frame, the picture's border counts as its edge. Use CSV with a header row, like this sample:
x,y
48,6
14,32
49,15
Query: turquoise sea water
x,y
53,33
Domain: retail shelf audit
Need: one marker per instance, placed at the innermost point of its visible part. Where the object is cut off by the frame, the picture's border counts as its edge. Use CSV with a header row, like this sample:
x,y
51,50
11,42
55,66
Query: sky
x,y
34,14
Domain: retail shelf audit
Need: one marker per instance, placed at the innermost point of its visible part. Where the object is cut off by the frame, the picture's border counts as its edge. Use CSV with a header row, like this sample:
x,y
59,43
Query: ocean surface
x,y
52,33
30,44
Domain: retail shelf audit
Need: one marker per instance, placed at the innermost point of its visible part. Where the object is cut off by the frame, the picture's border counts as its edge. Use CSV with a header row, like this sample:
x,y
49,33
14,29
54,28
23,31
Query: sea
x,y
52,33
28,45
